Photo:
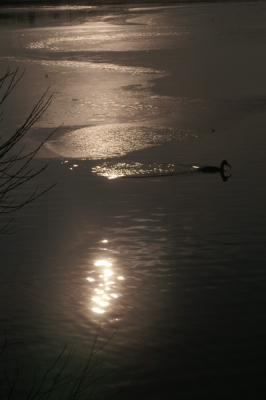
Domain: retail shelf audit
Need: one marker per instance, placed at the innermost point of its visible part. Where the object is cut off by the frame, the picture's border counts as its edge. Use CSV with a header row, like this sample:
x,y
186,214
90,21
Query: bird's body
x,y
211,169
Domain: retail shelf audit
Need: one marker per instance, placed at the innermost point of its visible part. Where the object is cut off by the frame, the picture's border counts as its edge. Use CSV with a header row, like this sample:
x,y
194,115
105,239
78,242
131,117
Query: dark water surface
x,y
173,265
190,311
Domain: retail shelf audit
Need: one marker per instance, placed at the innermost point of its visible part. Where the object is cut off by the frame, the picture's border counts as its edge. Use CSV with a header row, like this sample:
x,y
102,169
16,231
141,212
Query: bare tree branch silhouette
x,y
15,161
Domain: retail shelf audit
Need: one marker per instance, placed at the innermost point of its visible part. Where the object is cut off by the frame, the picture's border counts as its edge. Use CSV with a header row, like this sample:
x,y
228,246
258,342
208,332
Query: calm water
x,y
173,265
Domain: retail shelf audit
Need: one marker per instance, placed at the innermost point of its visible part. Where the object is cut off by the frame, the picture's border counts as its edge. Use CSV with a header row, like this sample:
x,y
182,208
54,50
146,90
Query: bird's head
x,y
224,162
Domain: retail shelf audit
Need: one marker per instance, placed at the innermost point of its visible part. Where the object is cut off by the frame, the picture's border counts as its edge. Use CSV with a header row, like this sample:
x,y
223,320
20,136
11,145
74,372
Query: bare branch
x,y
15,162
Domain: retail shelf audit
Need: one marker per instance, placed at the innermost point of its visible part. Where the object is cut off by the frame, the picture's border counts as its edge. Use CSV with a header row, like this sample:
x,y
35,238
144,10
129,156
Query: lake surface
x,y
168,261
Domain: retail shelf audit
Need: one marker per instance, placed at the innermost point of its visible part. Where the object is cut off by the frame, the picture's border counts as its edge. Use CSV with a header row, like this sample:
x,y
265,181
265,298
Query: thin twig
x,y
15,163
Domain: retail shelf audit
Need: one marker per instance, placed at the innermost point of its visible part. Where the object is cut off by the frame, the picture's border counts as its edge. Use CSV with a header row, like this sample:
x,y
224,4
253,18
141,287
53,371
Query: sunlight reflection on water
x,y
112,140
109,36
134,169
82,41
103,66
116,279
104,279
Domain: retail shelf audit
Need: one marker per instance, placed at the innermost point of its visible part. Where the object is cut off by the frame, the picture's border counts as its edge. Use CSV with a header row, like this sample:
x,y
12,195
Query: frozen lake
x,y
173,263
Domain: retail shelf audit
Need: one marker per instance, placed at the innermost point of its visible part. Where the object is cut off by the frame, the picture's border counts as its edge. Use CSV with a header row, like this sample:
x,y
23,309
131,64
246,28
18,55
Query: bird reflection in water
x,y
105,285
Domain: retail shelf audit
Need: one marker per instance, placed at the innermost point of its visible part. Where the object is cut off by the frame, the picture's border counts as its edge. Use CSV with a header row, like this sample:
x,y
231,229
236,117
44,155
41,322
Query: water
x,y
173,263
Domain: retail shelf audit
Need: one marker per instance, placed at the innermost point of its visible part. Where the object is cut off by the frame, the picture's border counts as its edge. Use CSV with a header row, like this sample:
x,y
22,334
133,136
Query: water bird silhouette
x,y
211,169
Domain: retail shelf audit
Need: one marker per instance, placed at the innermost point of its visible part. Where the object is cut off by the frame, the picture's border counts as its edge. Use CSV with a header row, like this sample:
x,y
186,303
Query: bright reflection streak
x,y
108,140
98,310
104,271
99,291
102,263
103,303
133,169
